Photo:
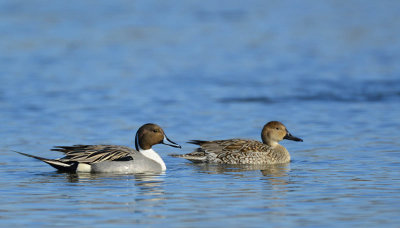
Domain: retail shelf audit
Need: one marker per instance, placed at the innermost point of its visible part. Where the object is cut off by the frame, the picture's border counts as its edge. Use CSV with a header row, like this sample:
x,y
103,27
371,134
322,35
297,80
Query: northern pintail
x,y
112,158
245,151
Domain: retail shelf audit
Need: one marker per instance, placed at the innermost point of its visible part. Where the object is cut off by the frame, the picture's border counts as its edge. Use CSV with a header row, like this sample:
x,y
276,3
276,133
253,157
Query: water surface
x,y
92,72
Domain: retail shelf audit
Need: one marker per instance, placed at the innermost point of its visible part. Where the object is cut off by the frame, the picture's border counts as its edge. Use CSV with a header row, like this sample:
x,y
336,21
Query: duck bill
x,y
289,136
169,142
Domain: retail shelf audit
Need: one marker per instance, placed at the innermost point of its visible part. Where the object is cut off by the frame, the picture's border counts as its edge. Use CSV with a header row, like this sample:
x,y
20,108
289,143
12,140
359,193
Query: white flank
x,y
85,168
150,153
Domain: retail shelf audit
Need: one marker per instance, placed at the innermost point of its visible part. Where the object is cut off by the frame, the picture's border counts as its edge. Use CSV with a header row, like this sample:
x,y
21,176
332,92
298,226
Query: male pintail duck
x,y
112,158
245,151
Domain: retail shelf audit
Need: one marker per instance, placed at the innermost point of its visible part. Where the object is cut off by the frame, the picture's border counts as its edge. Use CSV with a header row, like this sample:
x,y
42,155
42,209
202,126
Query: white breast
x,y
151,154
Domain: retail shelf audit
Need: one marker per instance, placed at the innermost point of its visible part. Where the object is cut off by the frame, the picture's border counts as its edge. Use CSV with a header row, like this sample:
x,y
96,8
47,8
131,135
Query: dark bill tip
x,y
172,143
289,136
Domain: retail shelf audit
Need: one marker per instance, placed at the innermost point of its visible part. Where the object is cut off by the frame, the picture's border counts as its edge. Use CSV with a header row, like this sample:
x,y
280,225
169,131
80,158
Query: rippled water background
x,y
92,72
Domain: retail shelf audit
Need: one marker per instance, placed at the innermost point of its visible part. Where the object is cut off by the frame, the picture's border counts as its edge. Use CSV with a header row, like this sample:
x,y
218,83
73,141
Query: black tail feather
x,y
197,142
60,165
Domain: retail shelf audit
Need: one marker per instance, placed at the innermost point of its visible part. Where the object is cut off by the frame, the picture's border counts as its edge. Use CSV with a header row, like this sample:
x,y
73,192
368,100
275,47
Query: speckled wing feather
x,y
234,146
233,151
95,153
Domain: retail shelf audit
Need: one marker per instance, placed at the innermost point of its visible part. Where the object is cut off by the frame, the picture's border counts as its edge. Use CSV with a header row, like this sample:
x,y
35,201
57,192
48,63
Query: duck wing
x,y
230,151
95,153
231,145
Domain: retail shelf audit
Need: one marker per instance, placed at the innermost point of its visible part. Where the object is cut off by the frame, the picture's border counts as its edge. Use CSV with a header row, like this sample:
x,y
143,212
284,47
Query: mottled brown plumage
x,y
245,151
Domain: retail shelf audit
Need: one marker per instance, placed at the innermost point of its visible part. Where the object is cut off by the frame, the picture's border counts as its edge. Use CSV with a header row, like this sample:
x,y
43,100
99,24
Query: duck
x,y
244,151
114,158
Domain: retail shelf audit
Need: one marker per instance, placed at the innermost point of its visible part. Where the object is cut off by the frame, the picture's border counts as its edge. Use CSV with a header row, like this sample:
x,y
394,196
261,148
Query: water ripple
x,y
366,91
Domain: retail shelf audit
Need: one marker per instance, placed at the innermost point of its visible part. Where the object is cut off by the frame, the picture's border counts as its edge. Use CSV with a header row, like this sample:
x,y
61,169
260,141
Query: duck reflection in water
x,y
272,171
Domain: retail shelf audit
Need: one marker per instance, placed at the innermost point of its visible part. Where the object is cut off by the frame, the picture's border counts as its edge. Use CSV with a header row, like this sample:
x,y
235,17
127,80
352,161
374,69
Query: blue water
x,y
92,72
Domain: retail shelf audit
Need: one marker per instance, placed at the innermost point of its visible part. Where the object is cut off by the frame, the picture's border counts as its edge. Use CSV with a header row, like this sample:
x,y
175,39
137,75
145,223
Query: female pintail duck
x,y
244,151
112,158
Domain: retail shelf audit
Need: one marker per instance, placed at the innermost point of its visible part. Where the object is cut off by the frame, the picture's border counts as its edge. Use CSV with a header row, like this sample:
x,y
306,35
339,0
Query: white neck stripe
x,y
151,154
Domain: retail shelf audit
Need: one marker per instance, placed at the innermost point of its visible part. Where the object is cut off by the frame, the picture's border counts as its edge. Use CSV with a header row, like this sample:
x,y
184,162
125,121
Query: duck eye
x,y
155,130
277,128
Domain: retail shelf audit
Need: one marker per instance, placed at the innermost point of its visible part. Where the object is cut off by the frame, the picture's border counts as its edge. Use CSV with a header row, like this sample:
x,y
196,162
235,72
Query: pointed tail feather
x,y
176,155
197,142
195,157
62,166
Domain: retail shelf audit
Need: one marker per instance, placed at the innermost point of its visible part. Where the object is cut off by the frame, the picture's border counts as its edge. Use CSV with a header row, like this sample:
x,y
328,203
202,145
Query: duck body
x,y
114,158
245,151
139,163
237,151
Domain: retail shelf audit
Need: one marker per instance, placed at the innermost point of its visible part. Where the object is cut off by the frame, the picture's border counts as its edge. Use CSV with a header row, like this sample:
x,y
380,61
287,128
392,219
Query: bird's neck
x,y
271,143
